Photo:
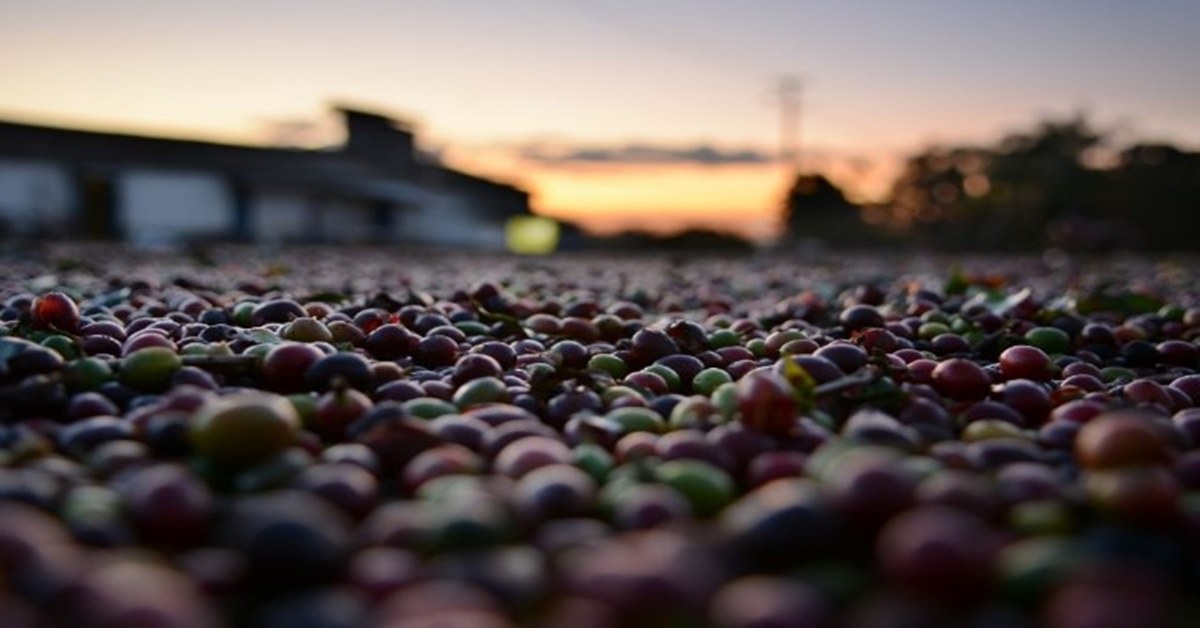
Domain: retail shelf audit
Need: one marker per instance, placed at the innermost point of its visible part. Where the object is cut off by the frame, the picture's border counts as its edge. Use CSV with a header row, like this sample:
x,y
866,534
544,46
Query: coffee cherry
x,y
766,403
1121,439
243,429
55,311
149,369
1025,362
961,380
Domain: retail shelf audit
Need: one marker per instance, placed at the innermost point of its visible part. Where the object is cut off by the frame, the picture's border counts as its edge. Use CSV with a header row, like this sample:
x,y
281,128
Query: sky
x,y
649,114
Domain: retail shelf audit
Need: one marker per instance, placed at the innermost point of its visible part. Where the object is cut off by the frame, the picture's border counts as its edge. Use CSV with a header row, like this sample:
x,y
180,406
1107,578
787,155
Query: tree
x,y
1040,177
999,197
936,197
1160,185
1031,189
817,208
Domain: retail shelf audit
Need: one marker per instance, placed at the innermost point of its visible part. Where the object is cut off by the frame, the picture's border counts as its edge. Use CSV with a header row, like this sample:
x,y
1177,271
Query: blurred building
x,y
375,188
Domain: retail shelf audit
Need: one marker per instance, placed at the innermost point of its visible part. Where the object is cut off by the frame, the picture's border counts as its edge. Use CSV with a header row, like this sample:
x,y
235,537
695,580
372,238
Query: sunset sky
x,y
654,114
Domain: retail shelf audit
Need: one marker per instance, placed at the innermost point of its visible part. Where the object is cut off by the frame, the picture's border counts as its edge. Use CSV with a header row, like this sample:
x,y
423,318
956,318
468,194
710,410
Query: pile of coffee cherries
x,y
331,438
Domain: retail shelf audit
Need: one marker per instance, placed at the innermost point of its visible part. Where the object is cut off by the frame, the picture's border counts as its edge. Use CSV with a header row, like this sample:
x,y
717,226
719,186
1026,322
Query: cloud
x,y
640,154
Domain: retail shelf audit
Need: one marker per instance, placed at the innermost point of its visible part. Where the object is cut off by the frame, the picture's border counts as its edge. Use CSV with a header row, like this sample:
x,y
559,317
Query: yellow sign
x,y
531,235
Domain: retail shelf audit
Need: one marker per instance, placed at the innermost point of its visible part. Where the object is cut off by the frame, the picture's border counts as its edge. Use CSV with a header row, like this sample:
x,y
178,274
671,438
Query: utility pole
x,y
788,92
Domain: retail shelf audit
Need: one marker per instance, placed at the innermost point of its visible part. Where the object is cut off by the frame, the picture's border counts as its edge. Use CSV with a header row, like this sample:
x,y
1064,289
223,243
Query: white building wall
x,y
35,196
278,216
447,219
164,207
345,221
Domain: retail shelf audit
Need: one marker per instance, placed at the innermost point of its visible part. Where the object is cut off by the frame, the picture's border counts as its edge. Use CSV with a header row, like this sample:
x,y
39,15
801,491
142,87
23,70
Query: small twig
x,y
865,376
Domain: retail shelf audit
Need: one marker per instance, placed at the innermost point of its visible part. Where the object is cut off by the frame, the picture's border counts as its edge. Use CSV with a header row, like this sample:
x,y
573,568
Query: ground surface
x,y
335,437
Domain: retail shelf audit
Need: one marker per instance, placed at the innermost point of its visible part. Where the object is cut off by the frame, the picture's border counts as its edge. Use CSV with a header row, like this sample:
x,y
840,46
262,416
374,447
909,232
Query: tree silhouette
x,y
1032,189
816,208
1039,188
1041,177
935,199
1154,191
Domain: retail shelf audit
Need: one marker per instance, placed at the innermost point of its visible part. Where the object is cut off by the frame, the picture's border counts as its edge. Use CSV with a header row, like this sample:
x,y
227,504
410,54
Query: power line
x,y
784,94
788,91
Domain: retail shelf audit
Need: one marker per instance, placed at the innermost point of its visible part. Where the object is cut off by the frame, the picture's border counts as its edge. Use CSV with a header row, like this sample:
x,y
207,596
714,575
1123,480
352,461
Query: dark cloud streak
x,y
645,154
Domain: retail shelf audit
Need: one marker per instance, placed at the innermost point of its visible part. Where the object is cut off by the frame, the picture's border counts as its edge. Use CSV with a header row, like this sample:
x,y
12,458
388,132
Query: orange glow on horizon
x,y
607,198
744,199
661,192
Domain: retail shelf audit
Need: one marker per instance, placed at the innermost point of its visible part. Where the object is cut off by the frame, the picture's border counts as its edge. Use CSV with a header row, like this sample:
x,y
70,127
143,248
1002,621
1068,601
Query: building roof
x,y
344,171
